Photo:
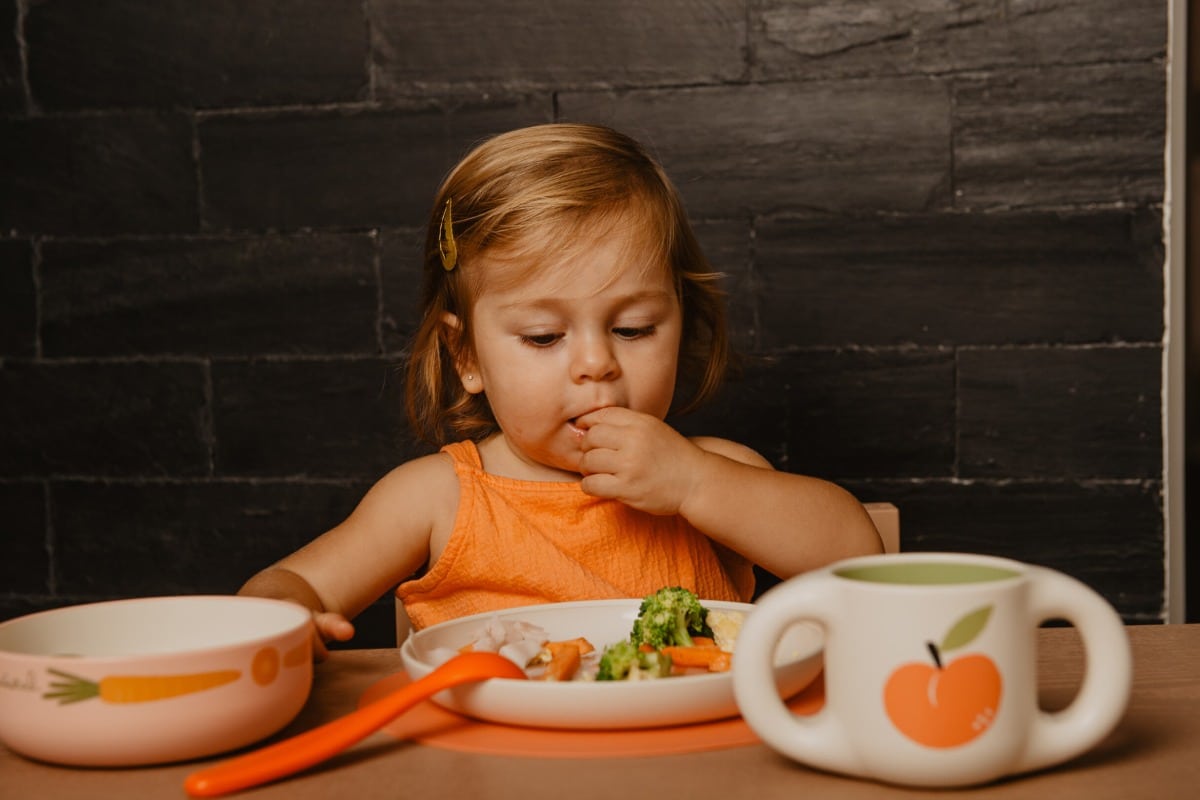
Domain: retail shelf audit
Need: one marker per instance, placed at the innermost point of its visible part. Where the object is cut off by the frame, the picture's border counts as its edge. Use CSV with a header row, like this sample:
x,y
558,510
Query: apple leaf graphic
x,y
966,629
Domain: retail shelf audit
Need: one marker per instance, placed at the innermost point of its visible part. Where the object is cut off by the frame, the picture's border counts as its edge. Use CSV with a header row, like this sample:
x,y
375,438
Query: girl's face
x,y
599,326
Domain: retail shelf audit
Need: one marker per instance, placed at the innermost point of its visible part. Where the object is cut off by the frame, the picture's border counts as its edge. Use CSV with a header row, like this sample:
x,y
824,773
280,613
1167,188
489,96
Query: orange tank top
x,y
518,543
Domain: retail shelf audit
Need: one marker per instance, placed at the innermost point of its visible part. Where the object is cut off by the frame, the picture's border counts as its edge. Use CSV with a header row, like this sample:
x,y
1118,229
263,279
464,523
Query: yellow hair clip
x,y
447,248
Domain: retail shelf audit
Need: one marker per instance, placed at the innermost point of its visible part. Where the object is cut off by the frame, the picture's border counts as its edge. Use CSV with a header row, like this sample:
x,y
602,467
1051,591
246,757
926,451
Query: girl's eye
x,y
633,333
541,339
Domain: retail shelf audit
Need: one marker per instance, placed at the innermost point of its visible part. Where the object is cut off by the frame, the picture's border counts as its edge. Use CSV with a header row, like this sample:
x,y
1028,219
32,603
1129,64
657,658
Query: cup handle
x,y
817,739
1104,694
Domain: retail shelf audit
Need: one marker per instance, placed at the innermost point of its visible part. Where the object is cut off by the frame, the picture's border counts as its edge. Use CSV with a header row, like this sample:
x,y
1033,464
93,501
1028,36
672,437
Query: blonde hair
x,y
532,191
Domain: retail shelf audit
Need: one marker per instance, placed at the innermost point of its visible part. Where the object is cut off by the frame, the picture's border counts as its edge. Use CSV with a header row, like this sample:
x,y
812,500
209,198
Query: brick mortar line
x,y
200,480
208,428
51,538
376,237
203,359
437,94
350,482
31,108
951,348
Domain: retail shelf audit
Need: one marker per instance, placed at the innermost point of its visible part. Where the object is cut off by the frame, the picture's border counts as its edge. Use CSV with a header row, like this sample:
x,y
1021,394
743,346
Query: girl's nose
x,y
592,359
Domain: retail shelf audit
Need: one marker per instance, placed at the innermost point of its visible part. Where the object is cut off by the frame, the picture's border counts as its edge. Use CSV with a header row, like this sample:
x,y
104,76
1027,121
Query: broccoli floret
x,y
670,616
616,661
653,664
623,661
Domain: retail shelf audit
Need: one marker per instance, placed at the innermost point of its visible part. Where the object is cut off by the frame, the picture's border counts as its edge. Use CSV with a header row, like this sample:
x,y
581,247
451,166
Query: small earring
x,y
470,377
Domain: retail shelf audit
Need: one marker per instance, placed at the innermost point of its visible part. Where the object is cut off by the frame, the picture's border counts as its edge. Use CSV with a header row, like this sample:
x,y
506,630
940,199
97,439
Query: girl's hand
x,y
637,459
329,627
280,583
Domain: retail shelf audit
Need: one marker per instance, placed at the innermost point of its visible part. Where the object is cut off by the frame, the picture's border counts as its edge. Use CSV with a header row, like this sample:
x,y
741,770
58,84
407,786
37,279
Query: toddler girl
x,y
567,309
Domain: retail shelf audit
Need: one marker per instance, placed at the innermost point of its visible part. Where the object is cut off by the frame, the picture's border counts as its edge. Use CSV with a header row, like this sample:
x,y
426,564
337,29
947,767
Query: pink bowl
x,y
153,679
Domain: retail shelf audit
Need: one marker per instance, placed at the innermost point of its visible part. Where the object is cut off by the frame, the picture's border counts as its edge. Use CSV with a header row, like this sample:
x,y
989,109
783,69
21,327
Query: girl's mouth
x,y
573,422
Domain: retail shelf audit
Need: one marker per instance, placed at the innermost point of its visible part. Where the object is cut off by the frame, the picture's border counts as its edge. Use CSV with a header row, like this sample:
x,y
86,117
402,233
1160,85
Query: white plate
x,y
605,704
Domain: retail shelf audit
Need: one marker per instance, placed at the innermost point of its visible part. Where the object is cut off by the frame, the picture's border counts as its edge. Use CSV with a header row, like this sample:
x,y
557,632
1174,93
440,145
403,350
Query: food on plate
x,y
725,626
706,656
673,634
625,661
529,647
562,659
518,641
583,644
670,616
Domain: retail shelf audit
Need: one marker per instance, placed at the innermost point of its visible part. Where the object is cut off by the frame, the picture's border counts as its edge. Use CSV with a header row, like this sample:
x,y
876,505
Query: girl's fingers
x,y
600,460
329,626
596,435
334,626
599,485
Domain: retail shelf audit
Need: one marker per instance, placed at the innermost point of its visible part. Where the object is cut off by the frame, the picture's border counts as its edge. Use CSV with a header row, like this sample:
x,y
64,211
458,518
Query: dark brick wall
x,y
941,225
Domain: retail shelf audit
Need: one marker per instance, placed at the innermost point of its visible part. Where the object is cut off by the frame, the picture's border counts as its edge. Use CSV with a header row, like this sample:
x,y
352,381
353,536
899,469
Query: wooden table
x,y
1153,753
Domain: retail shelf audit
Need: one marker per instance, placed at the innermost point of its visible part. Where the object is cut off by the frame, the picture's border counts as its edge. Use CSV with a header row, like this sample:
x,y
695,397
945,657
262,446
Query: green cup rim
x,y
929,570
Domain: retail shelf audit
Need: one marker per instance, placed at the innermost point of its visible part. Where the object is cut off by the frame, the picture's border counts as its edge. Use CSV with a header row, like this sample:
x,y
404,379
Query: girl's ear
x,y
464,360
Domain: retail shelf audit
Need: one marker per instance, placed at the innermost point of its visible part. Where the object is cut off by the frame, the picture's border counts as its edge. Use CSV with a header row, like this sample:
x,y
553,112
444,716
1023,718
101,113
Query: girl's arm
x,y
784,522
384,540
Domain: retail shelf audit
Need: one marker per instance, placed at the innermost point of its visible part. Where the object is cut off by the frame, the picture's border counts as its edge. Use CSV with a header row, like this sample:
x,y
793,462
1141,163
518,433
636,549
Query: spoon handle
x,y
312,747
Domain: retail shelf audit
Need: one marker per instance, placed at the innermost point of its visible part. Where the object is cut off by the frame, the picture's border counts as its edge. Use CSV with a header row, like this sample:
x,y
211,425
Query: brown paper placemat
x,y
433,725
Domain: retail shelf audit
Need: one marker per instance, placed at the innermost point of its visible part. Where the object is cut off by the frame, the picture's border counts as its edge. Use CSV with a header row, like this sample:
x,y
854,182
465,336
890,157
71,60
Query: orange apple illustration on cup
x,y
946,704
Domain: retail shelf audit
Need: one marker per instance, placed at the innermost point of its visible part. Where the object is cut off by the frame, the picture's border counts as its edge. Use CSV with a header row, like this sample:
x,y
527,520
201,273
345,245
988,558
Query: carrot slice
x,y
581,642
565,658
722,662
711,657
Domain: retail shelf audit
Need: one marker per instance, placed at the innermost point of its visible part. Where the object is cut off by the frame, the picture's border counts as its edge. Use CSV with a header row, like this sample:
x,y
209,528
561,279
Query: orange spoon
x,y
312,747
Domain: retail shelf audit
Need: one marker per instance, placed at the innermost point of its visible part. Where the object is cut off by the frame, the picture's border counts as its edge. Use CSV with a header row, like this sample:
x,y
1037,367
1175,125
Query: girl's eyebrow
x,y
559,302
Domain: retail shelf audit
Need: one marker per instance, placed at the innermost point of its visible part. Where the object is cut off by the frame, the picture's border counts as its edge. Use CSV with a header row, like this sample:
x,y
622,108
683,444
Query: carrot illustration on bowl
x,y
264,668
134,688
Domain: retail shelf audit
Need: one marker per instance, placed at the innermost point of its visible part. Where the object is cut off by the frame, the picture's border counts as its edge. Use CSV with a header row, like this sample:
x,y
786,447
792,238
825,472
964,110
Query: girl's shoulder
x,y
422,481
432,467
734,451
